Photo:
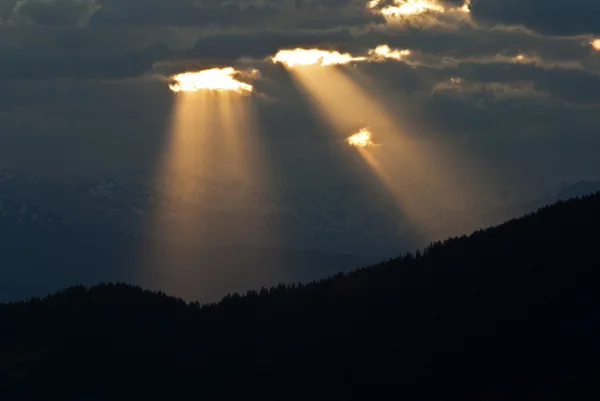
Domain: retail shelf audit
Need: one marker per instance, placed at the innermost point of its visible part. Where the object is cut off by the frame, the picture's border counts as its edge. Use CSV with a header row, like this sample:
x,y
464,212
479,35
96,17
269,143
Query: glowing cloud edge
x,y
410,8
300,56
304,57
361,139
214,79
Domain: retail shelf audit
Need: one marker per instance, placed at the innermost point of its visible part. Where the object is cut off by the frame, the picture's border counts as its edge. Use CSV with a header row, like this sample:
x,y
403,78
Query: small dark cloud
x,y
56,12
6,9
553,17
256,14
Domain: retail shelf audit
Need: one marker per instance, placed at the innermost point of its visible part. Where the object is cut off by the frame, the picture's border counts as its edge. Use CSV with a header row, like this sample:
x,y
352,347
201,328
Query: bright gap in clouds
x,y
361,139
215,79
596,44
412,7
308,57
406,8
293,57
385,52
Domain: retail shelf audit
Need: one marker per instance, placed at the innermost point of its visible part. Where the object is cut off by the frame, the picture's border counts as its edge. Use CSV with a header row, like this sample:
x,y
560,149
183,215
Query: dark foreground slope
x,y
508,313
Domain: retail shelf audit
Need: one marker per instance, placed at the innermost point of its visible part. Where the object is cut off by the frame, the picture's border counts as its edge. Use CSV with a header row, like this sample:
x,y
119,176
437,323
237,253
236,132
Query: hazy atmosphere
x,y
329,133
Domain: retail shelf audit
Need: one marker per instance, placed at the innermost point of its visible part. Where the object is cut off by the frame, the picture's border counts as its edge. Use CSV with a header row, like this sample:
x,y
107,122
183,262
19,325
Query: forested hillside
x,y
507,313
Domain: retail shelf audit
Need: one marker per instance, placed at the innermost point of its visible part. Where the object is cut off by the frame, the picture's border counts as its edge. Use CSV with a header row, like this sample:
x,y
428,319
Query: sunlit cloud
x,y
411,7
308,57
215,79
384,52
300,56
361,139
596,44
406,9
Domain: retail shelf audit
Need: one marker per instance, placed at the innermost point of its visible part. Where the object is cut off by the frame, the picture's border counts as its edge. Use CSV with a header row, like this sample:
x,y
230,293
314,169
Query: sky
x,y
510,89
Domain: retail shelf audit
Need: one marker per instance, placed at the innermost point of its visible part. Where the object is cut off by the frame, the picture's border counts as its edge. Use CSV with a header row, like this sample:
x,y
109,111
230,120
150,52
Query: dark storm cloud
x,y
472,41
156,12
126,38
424,75
573,86
6,7
554,17
299,14
107,53
83,74
153,13
143,37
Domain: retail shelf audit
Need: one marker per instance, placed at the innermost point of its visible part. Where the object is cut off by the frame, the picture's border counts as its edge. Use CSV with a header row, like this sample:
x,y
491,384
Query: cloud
x,y
91,53
483,82
552,17
56,12
285,14
6,9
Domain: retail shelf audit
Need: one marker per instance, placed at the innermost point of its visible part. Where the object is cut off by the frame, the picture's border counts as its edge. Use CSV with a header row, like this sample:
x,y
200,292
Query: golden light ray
x,y
325,87
595,44
214,79
176,213
452,179
244,153
192,133
192,151
396,159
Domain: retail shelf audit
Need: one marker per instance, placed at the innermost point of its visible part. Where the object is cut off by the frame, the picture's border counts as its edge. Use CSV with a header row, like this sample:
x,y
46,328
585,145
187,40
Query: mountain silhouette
x,y
506,313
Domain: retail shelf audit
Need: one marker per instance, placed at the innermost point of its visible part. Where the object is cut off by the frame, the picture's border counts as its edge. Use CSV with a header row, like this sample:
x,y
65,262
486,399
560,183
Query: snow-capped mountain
x,y
14,213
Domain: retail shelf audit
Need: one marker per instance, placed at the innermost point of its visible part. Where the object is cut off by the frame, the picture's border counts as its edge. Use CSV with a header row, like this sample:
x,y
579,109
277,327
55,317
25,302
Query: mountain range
x,y
340,218
505,313
55,233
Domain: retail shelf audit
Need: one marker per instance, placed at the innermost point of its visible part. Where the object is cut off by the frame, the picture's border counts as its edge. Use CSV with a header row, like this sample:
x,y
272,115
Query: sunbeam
x,y
396,155
211,174
242,158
